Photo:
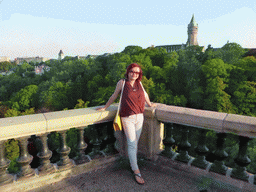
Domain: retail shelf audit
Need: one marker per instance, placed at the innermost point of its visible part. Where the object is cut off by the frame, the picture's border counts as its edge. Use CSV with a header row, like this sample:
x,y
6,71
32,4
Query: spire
x,y
193,22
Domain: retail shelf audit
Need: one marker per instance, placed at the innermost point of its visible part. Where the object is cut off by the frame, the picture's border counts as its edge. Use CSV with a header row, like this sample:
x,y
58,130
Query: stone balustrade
x,y
221,123
21,128
151,142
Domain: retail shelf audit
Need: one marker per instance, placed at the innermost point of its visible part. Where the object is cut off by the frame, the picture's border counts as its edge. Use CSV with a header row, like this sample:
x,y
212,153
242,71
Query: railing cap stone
x,y
15,127
240,124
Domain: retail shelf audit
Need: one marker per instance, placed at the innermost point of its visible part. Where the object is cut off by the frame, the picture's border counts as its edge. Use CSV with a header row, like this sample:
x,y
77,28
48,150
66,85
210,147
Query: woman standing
x,y
131,112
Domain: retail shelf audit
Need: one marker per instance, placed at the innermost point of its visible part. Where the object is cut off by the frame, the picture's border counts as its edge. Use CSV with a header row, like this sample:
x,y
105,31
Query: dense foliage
x,y
219,80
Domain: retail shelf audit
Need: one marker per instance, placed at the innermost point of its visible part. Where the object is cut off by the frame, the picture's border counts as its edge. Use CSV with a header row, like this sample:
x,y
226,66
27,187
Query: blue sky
x,y
31,28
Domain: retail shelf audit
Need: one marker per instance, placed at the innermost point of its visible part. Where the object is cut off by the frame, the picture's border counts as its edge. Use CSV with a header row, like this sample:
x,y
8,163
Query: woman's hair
x,y
129,69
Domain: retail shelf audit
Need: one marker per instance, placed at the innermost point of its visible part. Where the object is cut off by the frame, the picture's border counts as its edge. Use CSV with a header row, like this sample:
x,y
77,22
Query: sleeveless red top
x,y
133,99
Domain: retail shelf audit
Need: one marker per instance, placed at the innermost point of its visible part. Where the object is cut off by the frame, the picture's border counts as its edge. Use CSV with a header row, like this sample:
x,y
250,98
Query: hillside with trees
x,y
222,80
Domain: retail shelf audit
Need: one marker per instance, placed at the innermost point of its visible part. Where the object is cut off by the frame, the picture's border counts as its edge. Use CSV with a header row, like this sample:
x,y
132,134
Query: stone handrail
x,y
21,126
15,127
217,121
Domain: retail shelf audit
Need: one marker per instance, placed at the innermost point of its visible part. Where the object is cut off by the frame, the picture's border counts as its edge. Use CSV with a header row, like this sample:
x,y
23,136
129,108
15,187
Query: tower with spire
x,y
192,32
192,38
61,55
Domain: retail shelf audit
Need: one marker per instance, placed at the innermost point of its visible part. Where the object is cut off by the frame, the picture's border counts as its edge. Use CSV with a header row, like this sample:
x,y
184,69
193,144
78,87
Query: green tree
x,y
245,98
190,72
156,55
81,104
170,64
57,96
102,95
144,61
12,113
12,83
209,54
231,53
26,98
216,99
12,153
248,64
131,49
6,65
216,67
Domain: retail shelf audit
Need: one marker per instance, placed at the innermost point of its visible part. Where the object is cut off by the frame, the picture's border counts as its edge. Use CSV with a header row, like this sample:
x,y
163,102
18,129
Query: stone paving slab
x,y
159,176
121,179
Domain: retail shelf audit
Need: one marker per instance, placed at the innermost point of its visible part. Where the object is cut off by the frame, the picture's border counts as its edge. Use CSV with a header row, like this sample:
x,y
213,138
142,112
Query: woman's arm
x,y
147,98
114,96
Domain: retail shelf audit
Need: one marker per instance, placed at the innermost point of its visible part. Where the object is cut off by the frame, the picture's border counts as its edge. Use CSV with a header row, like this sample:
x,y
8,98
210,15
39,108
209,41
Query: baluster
x,y
110,139
81,158
242,160
168,142
184,146
45,154
220,155
25,158
201,150
64,162
96,142
4,164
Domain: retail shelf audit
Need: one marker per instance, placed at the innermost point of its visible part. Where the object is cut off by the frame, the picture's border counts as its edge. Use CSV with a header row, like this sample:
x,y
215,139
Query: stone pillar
x,y
64,162
220,154
45,154
168,142
151,140
242,160
201,150
4,164
109,139
96,142
81,158
184,146
25,158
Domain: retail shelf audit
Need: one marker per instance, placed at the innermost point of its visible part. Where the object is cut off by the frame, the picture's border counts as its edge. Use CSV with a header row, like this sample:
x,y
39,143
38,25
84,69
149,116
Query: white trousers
x,y
132,126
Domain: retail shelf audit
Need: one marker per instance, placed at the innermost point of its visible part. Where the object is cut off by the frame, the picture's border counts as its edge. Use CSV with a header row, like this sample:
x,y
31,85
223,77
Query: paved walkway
x,y
162,175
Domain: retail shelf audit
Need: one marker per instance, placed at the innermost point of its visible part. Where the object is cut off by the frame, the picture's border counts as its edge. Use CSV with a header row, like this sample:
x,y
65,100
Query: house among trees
x,y
40,69
251,52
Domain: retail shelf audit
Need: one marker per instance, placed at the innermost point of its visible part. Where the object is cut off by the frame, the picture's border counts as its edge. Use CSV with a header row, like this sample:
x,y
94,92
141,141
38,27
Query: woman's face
x,y
134,73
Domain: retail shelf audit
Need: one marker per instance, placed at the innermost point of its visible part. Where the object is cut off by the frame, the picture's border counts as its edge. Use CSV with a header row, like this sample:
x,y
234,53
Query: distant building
x,y
251,52
61,55
80,57
4,58
37,59
91,56
192,38
192,32
40,69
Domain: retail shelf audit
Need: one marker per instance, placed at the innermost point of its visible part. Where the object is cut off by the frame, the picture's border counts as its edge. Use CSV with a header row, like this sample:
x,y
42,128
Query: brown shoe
x,y
139,179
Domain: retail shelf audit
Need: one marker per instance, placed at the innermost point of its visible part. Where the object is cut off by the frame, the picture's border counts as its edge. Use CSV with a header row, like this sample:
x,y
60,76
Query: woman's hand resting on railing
x,y
152,105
